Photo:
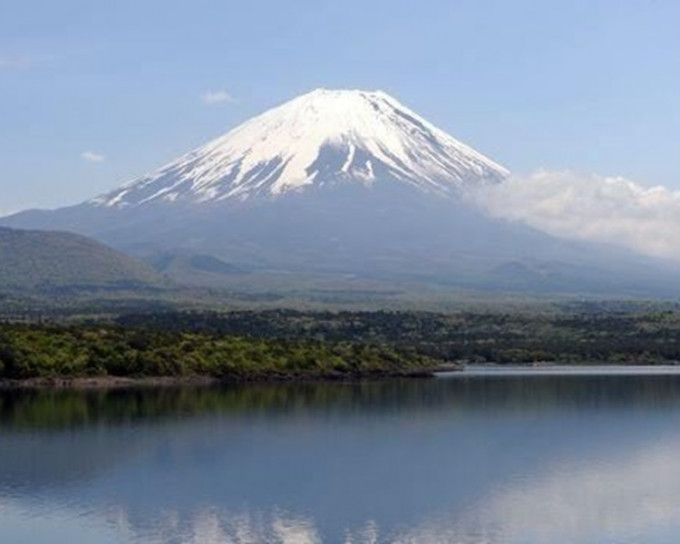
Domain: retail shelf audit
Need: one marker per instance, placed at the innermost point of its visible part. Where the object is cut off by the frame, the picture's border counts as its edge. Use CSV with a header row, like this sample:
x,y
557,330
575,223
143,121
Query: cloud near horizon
x,y
612,210
91,156
212,98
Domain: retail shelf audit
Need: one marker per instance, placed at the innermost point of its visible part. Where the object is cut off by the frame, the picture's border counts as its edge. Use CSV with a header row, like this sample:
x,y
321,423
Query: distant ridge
x,y
55,261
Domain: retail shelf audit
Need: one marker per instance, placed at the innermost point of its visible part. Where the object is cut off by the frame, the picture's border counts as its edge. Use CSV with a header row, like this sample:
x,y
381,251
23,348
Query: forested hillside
x,y
61,262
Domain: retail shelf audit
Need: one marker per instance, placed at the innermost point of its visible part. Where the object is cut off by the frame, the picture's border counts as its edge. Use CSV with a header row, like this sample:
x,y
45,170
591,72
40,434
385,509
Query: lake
x,y
487,456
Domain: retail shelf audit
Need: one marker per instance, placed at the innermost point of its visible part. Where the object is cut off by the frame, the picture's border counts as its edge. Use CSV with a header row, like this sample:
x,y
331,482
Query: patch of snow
x,y
350,158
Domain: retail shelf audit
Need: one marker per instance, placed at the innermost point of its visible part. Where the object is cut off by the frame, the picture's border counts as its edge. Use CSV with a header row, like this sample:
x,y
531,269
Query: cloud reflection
x,y
209,526
609,500
606,499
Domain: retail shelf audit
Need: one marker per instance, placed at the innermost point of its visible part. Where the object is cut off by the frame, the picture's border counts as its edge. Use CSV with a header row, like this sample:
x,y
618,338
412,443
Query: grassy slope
x,y
52,261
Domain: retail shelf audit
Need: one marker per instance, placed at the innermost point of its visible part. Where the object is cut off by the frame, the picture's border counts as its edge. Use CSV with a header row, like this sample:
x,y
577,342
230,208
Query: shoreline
x,y
126,382
120,382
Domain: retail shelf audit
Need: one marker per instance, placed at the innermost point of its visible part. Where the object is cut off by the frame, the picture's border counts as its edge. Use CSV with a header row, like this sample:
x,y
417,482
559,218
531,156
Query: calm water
x,y
490,457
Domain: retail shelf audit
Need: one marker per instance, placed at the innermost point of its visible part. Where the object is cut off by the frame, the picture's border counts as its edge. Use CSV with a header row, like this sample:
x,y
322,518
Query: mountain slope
x,y
49,261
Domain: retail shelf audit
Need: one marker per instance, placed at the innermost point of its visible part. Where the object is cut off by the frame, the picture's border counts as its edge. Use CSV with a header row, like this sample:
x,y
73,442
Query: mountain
x,y
342,184
319,139
59,261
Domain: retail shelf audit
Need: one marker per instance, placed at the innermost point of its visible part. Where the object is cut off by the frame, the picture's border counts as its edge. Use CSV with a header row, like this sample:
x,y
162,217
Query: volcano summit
x,y
321,138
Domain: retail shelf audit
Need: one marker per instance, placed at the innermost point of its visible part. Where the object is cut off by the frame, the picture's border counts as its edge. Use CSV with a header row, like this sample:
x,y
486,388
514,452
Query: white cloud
x,y
212,98
91,156
590,207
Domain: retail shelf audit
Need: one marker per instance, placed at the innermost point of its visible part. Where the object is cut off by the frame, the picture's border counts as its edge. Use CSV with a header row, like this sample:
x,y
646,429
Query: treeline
x,y
587,337
34,350
286,344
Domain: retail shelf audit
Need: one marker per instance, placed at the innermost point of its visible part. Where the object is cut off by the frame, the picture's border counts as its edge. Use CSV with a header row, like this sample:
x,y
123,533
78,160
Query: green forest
x,y
602,334
295,345
33,351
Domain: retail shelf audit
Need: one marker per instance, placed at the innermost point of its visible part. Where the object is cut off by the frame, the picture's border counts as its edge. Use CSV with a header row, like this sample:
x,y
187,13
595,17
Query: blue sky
x,y
95,93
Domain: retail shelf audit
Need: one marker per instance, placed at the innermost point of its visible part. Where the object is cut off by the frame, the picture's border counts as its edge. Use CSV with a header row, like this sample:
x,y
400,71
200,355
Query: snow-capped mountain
x,y
339,184
321,138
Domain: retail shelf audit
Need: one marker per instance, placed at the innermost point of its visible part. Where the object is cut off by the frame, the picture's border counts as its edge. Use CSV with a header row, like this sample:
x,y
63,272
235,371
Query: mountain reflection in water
x,y
483,458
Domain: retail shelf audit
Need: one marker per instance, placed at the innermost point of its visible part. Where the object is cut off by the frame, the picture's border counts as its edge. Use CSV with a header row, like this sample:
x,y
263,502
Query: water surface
x,y
490,456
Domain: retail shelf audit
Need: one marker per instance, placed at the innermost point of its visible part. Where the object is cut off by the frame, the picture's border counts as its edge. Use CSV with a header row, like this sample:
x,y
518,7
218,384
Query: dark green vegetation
x,y
287,344
34,351
614,333
58,263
